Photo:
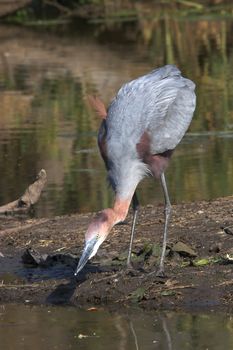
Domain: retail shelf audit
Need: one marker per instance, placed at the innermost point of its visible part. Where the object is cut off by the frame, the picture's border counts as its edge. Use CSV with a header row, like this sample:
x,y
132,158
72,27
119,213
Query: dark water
x,y
33,327
45,122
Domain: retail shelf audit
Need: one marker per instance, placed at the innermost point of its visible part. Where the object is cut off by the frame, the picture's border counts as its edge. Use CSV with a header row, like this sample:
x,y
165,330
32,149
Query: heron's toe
x,y
160,273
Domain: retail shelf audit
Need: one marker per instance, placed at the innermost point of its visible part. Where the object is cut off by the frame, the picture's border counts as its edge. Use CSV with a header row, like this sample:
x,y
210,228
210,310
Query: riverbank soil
x,y
199,258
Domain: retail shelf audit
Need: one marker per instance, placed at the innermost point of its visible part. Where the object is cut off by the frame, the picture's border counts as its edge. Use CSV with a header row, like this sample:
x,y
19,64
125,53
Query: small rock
x,y
184,250
228,230
229,258
33,257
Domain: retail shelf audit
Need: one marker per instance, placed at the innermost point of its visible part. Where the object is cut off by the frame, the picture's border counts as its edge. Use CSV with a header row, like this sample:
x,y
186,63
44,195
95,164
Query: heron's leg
x,y
167,213
135,205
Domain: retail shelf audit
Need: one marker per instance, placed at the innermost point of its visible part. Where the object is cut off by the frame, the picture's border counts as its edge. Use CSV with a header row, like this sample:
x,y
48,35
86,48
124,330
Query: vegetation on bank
x,y
49,12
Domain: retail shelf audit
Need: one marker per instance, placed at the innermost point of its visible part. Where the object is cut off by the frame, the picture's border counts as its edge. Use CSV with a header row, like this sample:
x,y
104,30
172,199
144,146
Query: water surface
x,y
26,327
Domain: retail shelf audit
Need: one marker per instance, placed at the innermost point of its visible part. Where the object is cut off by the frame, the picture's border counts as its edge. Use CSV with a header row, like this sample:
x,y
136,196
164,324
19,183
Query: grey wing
x,y
143,99
173,111
161,102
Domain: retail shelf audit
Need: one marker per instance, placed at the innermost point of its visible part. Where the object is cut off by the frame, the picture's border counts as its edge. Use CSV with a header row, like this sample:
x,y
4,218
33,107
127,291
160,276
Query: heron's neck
x,y
106,219
112,216
120,209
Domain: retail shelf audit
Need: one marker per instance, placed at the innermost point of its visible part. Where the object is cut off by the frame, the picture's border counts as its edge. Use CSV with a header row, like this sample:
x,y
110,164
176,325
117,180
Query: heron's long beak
x,y
86,255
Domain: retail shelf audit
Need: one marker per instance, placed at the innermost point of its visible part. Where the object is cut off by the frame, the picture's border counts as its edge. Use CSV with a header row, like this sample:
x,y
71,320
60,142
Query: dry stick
x,y
226,283
30,196
180,287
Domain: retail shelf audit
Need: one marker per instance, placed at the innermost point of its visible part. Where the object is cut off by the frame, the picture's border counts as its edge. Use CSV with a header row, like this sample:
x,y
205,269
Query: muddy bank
x,y
198,278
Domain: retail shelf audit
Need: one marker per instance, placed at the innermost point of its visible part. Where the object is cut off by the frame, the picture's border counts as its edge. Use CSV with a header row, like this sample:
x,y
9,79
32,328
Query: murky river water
x,y
45,122
47,328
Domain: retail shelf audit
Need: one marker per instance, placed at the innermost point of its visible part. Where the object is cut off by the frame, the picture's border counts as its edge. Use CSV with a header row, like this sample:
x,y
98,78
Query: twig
x,y
106,277
181,287
227,283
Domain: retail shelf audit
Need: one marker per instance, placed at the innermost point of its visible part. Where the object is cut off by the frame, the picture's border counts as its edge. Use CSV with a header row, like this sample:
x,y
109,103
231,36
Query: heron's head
x,y
97,232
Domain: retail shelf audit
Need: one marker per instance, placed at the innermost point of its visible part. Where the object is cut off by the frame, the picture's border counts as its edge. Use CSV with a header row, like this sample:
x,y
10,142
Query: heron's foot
x,y
129,270
129,266
160,273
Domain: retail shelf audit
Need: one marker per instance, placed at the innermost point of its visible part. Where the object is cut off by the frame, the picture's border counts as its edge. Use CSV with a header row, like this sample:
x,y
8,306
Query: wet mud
x,y
199,262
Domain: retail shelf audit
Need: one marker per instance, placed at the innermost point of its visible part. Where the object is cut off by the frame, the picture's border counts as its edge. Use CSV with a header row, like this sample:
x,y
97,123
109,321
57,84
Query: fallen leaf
x,y
167,293
92,309
45,242
60,249
201,262
82,336
170,283
138,294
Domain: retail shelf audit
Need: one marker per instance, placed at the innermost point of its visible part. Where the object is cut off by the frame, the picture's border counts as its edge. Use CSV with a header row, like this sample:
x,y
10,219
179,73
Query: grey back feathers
x,y
162,104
